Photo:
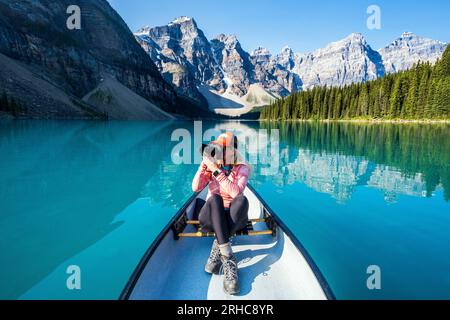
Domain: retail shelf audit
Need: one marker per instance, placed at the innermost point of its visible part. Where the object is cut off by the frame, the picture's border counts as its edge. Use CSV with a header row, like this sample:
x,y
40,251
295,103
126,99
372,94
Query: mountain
x,y
352,60
229,77
275,77
232,81
286,58
420,93
53,72
49,71
407,50
234,62
340,63
183,55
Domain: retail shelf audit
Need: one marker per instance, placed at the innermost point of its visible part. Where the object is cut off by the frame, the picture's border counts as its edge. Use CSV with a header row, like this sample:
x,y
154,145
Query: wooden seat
x,y
247,231
201,234
196,222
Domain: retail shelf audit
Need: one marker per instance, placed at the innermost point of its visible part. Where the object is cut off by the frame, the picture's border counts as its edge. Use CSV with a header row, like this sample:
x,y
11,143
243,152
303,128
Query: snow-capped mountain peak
x,y
183,55
261,51
409,49
286,58
408,34
229,40
234,62
180,20
355,37
340,63
143,31
287,50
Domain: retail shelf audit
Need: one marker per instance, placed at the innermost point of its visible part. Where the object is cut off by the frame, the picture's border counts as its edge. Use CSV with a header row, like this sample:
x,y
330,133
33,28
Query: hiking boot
x,y
230,272
213,264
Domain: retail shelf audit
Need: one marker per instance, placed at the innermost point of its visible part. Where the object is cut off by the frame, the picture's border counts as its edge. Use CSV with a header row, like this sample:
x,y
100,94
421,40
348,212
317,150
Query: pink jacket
x,y
227,187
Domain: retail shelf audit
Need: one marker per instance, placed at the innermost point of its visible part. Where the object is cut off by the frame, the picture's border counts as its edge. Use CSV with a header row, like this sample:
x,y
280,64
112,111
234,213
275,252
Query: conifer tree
x,y
420,93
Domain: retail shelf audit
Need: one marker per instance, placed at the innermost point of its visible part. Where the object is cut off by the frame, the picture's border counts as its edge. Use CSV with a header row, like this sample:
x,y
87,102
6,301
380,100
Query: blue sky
x,y
303,25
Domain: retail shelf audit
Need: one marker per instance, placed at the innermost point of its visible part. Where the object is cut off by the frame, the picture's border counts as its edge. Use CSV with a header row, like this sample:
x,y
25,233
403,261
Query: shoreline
x,y
366,121
374,121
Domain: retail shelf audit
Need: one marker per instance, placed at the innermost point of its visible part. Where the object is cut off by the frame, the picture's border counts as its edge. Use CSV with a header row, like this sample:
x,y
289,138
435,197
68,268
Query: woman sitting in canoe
x,y
226,208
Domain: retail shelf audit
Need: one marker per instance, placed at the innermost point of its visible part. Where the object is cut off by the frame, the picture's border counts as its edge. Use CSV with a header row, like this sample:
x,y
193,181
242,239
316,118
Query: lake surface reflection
x,y
96,194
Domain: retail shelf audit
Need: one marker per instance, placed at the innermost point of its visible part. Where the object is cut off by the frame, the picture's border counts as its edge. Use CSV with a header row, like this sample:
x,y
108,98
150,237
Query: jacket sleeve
x,y
201,179
234,188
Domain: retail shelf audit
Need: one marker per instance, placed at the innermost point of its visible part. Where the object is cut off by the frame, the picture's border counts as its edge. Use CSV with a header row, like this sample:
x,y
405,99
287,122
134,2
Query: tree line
x,y
423,92
412,149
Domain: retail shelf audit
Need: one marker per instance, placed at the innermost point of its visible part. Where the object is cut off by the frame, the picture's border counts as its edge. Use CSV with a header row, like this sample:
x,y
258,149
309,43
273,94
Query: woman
x,y
226,209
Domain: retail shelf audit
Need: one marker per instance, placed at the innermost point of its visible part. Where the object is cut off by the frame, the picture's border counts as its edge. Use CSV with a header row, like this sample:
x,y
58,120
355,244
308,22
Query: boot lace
x,y
214,256
229,269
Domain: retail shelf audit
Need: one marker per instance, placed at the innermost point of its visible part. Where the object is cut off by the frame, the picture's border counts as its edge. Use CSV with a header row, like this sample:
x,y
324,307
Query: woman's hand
x,y
203,167
202,178
210,164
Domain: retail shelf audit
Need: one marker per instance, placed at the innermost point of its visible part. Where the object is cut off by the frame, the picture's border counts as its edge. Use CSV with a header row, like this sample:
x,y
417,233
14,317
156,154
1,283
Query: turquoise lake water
x,y
96,194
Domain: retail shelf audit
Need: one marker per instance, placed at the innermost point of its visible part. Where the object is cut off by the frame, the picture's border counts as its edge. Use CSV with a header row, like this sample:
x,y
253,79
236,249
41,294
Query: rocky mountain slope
x,y
273,76
219,70
352,60
236,65
53,68
405,51
343,62
183,55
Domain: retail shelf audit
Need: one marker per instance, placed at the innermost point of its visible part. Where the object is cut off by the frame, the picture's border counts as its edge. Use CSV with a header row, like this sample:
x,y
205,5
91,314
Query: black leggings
x,y
215,218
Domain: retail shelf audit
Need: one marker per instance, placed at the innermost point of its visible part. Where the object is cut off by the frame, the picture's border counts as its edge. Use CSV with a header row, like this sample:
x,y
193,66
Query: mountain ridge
x,y
47,71
343,62
72,63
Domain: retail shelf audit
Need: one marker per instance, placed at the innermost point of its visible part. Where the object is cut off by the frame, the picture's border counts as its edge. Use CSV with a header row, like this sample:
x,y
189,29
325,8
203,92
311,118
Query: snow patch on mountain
x,y
409,49
180,20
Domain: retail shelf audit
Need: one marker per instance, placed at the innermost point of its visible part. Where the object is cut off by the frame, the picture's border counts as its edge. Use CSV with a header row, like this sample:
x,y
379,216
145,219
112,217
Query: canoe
x,y
273,264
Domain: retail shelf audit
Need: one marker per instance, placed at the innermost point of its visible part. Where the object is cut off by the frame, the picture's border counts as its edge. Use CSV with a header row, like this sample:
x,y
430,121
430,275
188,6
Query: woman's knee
x,y
239,210
211,211
215,200
215,205
240,201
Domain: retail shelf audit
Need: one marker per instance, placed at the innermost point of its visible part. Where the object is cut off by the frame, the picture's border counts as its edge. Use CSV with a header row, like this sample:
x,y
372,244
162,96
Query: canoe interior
x,y
270,267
